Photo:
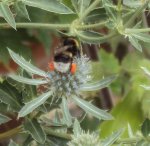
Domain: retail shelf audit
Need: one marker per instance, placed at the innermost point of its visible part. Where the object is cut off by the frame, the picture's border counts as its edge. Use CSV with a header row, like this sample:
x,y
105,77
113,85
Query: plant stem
x,y
89,9
36,25
57,134
51,26
10,133
137,30
90,26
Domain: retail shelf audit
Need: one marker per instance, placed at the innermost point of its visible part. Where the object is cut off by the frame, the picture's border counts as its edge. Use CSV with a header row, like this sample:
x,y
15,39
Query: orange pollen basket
x,y
51,66
73,68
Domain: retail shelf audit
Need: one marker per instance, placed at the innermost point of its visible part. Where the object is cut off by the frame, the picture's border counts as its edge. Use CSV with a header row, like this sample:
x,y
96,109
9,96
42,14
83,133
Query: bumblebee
x,y
64,55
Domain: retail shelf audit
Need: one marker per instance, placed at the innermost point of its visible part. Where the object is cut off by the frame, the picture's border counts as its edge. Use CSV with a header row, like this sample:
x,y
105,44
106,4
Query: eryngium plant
x,y
82,138
64,86
67,84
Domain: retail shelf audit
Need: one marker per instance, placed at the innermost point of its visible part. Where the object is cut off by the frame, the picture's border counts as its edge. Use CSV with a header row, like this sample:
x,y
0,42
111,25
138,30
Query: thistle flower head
x,y
69,84
85,139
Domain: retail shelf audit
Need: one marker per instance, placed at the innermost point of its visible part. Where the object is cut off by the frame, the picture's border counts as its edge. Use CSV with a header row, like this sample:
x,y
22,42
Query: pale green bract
x,y
7,14
91,109
33,104
26,65
28,81
98,85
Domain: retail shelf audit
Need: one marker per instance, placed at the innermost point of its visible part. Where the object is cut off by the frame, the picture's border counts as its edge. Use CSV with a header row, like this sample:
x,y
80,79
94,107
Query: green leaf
x,y
4,119
110,10
135,43
98,85
49,5
33,104
29,92
142,37
12,143
6,98
111,139
36,131
76,128
91,109
21,10
75,5
127,111
130,132
83,5
80,6
132,3
146,128
142,143
7,14
97,15
66,114
26,65
26,80
14,40
90,37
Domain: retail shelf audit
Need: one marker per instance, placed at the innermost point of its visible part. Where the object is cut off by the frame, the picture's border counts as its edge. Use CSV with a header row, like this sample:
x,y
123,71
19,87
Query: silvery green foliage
x,y
85,139
68,84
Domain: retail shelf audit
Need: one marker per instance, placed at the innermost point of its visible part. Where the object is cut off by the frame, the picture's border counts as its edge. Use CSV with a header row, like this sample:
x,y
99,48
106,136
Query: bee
x,y
64,55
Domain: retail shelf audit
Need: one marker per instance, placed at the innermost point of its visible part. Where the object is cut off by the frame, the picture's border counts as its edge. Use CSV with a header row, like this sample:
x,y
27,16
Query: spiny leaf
x,y
34,128
91,109
26,80
21,10
49,5
7,14
26,65
142,37
135,43
90,37
4,119
33,104
76,128
110,140
132,3
6,98
80,6
66,113
98,85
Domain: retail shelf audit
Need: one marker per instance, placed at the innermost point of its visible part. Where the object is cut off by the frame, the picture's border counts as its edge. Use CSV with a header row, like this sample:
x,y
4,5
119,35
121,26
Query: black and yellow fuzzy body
x,y
64,55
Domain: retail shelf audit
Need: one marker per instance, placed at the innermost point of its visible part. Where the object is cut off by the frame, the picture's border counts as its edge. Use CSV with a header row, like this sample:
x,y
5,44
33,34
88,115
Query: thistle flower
x,y
68,84
85,139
